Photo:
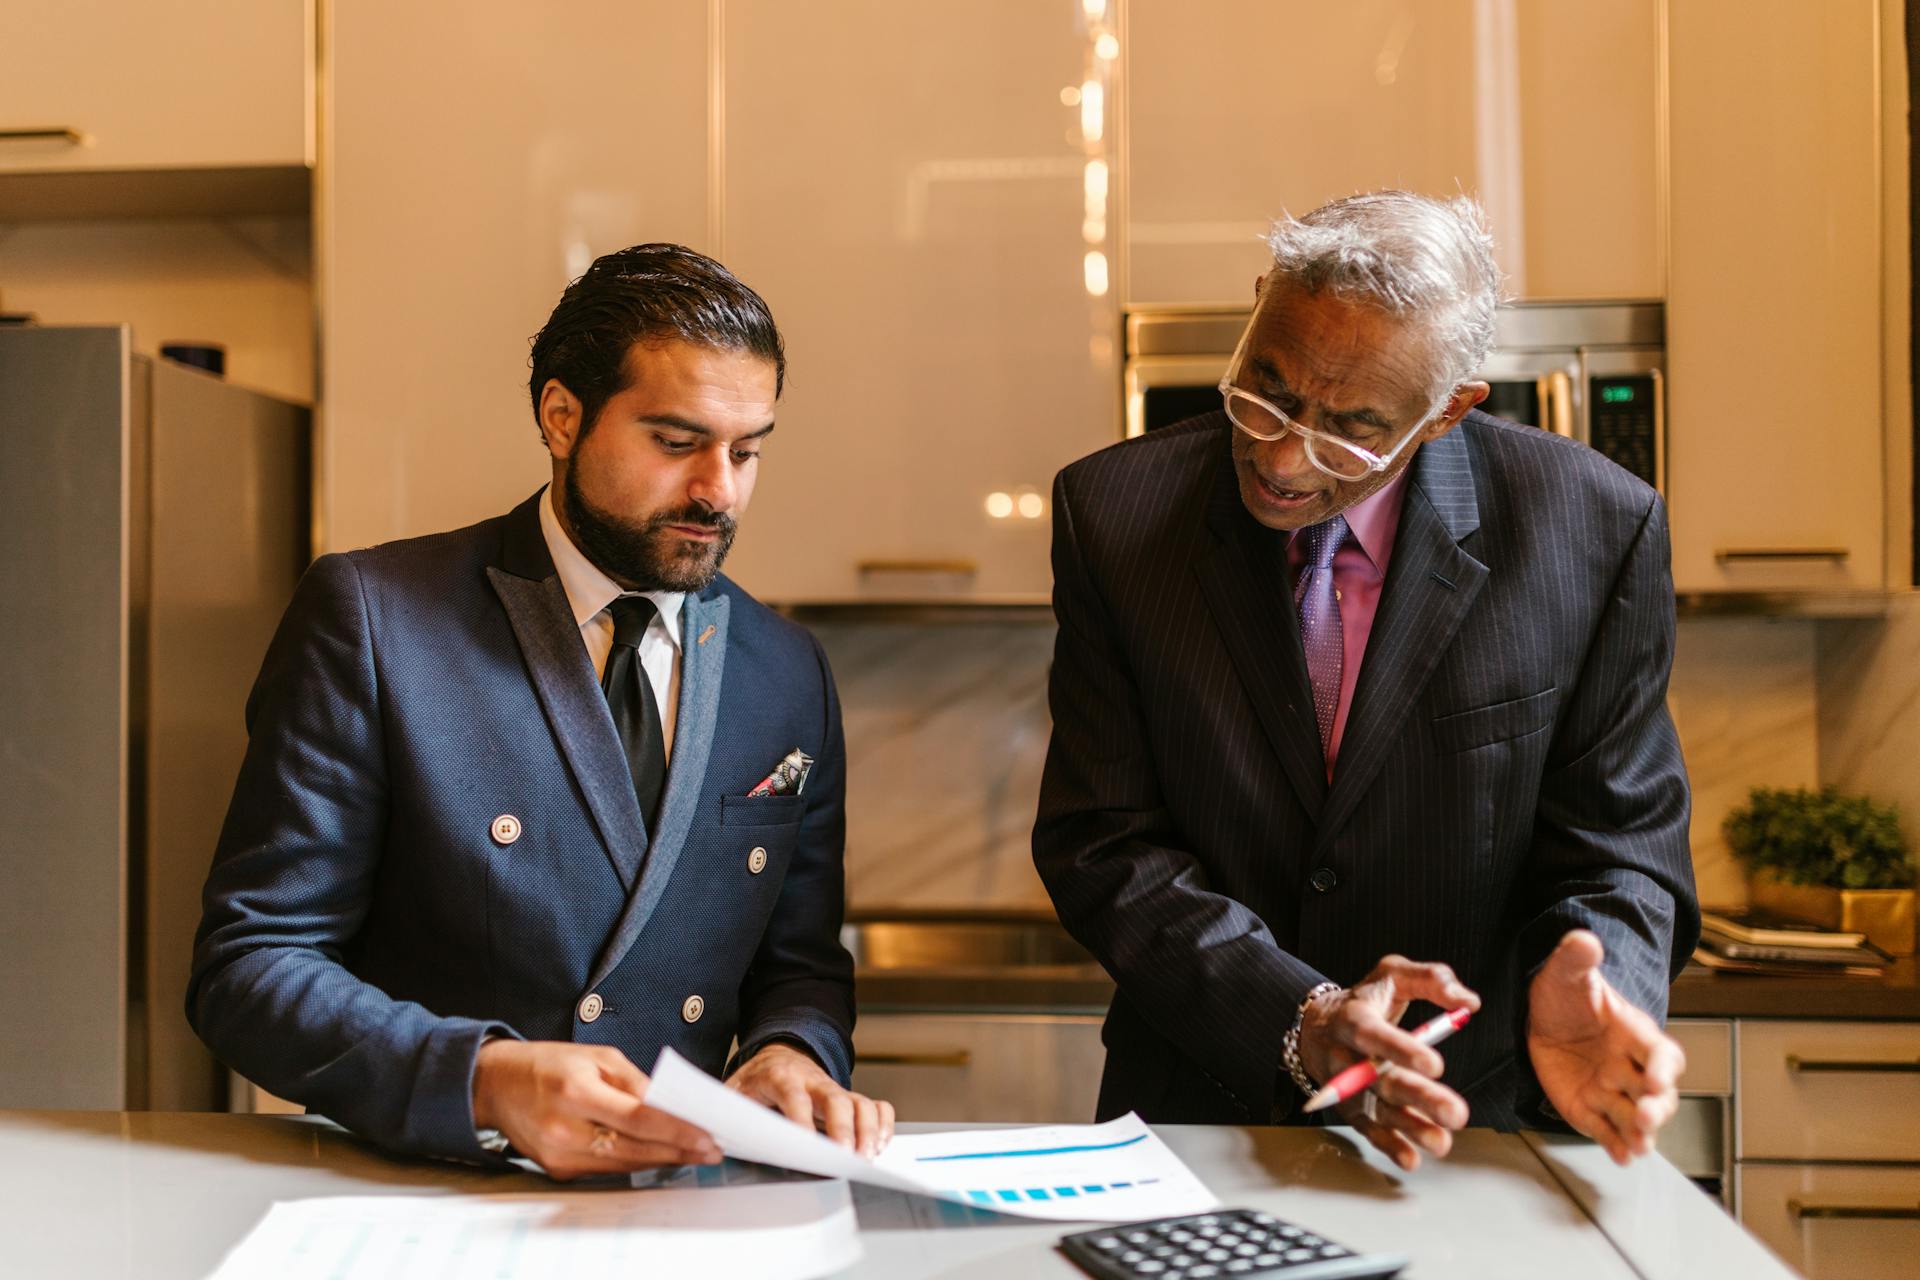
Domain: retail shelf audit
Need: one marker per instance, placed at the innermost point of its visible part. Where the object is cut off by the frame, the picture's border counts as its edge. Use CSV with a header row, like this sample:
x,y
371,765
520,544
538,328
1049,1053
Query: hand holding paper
x,y
792,1083
1113,1172
578,1109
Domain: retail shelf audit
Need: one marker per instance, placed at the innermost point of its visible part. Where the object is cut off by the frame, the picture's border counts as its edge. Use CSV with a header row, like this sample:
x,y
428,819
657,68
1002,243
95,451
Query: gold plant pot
x,y
1884,915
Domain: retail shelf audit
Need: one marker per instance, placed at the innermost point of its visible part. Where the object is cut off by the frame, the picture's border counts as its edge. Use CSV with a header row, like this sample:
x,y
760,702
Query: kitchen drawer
x,y
1848,1222
1828,1091
1708,1044
1003,1068
1695,1140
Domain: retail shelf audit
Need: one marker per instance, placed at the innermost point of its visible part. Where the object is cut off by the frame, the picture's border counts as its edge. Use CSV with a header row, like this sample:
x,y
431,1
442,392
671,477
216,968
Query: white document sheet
x,y
1119,1171
1113,1172
788,1231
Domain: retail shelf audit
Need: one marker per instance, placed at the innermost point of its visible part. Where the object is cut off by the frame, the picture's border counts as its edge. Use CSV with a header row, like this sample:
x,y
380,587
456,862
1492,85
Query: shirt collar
x,y
590,591
1375,521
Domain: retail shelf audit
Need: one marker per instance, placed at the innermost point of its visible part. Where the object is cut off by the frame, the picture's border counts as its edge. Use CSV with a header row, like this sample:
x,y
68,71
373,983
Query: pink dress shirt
x,y
1358,574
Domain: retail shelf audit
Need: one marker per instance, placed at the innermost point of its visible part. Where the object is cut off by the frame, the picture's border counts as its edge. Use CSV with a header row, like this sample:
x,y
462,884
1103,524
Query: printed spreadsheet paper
x,y
1119,1171
788,1231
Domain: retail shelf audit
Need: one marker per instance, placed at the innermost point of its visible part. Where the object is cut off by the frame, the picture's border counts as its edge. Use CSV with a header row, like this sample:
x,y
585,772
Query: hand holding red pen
x,y
1408,1110
1362,1075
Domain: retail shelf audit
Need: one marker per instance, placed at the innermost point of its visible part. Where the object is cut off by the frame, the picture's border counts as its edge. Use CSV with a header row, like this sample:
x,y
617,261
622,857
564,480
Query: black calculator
x,y
1213,1246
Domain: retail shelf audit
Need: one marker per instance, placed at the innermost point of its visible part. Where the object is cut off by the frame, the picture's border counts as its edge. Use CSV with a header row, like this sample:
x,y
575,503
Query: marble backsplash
x,y
1869,676
947,729
1743,698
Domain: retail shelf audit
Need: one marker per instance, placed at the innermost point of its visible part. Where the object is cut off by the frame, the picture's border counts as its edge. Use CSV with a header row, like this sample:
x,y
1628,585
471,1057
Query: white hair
x,y
1429,261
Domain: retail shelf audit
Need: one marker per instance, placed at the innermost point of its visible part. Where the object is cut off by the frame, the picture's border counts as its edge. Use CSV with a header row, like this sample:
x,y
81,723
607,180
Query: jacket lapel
x,y
1244,578
1431,584
562,675
703,662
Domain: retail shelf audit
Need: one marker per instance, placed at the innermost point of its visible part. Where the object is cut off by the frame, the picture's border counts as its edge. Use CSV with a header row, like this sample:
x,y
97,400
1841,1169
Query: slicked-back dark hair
x,y
651,292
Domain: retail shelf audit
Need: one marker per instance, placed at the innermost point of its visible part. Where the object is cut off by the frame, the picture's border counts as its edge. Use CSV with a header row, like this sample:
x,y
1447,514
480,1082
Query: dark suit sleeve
x,y
1201,967
1610,849
290,887
800,985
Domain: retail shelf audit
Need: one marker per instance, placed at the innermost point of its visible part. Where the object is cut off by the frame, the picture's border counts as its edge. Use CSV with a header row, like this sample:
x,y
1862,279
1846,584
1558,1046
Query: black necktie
x,y
630,697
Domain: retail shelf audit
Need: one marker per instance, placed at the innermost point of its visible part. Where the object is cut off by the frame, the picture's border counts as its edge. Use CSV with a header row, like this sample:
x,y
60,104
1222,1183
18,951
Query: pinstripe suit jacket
x,y
1509,769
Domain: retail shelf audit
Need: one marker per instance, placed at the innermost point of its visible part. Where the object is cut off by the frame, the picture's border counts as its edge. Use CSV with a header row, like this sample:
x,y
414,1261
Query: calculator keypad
x,y
1234,1242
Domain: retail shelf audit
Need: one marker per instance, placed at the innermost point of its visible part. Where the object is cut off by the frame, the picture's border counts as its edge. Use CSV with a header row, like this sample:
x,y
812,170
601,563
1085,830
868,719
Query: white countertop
x,y
166,1194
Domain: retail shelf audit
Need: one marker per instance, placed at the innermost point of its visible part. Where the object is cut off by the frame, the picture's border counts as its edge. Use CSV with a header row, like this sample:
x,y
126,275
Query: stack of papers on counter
x,y
730,1220
788,1231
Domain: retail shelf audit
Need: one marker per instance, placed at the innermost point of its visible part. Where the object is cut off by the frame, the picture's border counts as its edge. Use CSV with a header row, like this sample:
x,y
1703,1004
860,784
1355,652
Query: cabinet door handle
x,y
72,137
930,1058
1802,1210
1840,1065
964,567
1556,403
1728,554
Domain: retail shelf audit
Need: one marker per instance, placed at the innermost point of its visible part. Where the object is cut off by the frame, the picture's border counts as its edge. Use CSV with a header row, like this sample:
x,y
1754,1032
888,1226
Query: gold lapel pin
x,y
706,635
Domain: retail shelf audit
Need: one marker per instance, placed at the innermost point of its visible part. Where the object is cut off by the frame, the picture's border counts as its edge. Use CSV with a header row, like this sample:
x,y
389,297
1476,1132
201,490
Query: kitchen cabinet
x,y
1007,1068
1547,112
1699,1138
901,187
1822,1147
189,84
1774,305
1828,1144
922,211
1829,1091
1836,1222
473,168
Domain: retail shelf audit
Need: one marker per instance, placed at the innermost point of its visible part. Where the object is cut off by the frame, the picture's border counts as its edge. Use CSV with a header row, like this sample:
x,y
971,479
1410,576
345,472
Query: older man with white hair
x,y
1359,704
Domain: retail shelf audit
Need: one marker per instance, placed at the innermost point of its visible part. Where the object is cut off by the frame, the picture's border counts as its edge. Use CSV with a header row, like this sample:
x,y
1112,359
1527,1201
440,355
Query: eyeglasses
x,y
1332,454
1341,459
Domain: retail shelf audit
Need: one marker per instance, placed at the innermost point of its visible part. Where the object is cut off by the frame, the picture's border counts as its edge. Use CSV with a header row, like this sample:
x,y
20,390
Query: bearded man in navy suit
x,y
499,834
1350,673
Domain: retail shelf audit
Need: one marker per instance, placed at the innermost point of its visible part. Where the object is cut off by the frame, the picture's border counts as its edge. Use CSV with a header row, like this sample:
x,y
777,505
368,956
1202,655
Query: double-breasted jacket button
x,y
757,861
1324,880
591,1007
693,1008
505,829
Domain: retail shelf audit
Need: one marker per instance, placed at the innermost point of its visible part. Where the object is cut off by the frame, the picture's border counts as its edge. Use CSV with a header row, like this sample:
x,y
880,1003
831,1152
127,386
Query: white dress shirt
x,y
590,591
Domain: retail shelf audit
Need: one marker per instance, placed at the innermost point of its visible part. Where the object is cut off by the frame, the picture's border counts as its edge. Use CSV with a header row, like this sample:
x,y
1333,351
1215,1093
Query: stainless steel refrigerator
x,y
153,521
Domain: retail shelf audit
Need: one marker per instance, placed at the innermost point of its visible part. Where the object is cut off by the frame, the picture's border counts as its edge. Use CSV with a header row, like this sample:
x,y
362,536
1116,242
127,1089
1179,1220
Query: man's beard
x,y
648,556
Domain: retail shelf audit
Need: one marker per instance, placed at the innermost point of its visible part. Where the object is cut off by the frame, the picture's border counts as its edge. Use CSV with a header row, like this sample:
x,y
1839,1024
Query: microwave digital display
x,y
1620,423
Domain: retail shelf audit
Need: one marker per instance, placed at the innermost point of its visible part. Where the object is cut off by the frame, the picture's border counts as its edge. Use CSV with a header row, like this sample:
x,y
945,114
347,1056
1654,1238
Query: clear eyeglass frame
x,y
1349,461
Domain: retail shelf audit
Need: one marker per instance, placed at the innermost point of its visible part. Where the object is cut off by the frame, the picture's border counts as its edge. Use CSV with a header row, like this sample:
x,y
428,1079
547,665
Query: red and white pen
x,y
1359,1077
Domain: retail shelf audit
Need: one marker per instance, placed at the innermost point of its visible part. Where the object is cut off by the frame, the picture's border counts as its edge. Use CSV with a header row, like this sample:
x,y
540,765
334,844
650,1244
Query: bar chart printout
x,y
1117,1171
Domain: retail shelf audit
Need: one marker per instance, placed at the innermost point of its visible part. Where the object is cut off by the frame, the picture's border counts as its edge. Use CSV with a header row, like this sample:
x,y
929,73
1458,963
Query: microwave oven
x,y
1591,371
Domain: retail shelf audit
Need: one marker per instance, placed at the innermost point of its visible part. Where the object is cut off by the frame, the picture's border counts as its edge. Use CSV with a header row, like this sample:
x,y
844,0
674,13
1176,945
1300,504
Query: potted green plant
x,y
1829,859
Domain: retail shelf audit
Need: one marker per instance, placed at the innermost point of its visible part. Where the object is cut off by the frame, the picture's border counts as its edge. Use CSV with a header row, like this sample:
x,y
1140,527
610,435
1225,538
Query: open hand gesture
x,y
1606,1067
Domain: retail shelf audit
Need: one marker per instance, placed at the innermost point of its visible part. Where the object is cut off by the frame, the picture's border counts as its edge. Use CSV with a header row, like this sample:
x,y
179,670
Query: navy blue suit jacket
x,y
1508,771
364,928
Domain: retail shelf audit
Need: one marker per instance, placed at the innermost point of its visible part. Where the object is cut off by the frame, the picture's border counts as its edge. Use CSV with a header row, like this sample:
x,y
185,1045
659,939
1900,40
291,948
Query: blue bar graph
x,y
1030,1151
1013,1195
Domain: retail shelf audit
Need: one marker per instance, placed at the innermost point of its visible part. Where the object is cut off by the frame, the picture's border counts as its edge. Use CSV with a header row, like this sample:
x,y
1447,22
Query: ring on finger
x,y
602,1143
1368,1107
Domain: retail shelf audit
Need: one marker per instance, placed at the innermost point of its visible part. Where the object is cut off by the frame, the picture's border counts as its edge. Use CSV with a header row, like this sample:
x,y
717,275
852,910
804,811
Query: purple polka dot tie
x,y
1319,606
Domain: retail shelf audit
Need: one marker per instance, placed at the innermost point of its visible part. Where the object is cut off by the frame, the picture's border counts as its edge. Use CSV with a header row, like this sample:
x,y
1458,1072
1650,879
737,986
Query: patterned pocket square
x,y
788,778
